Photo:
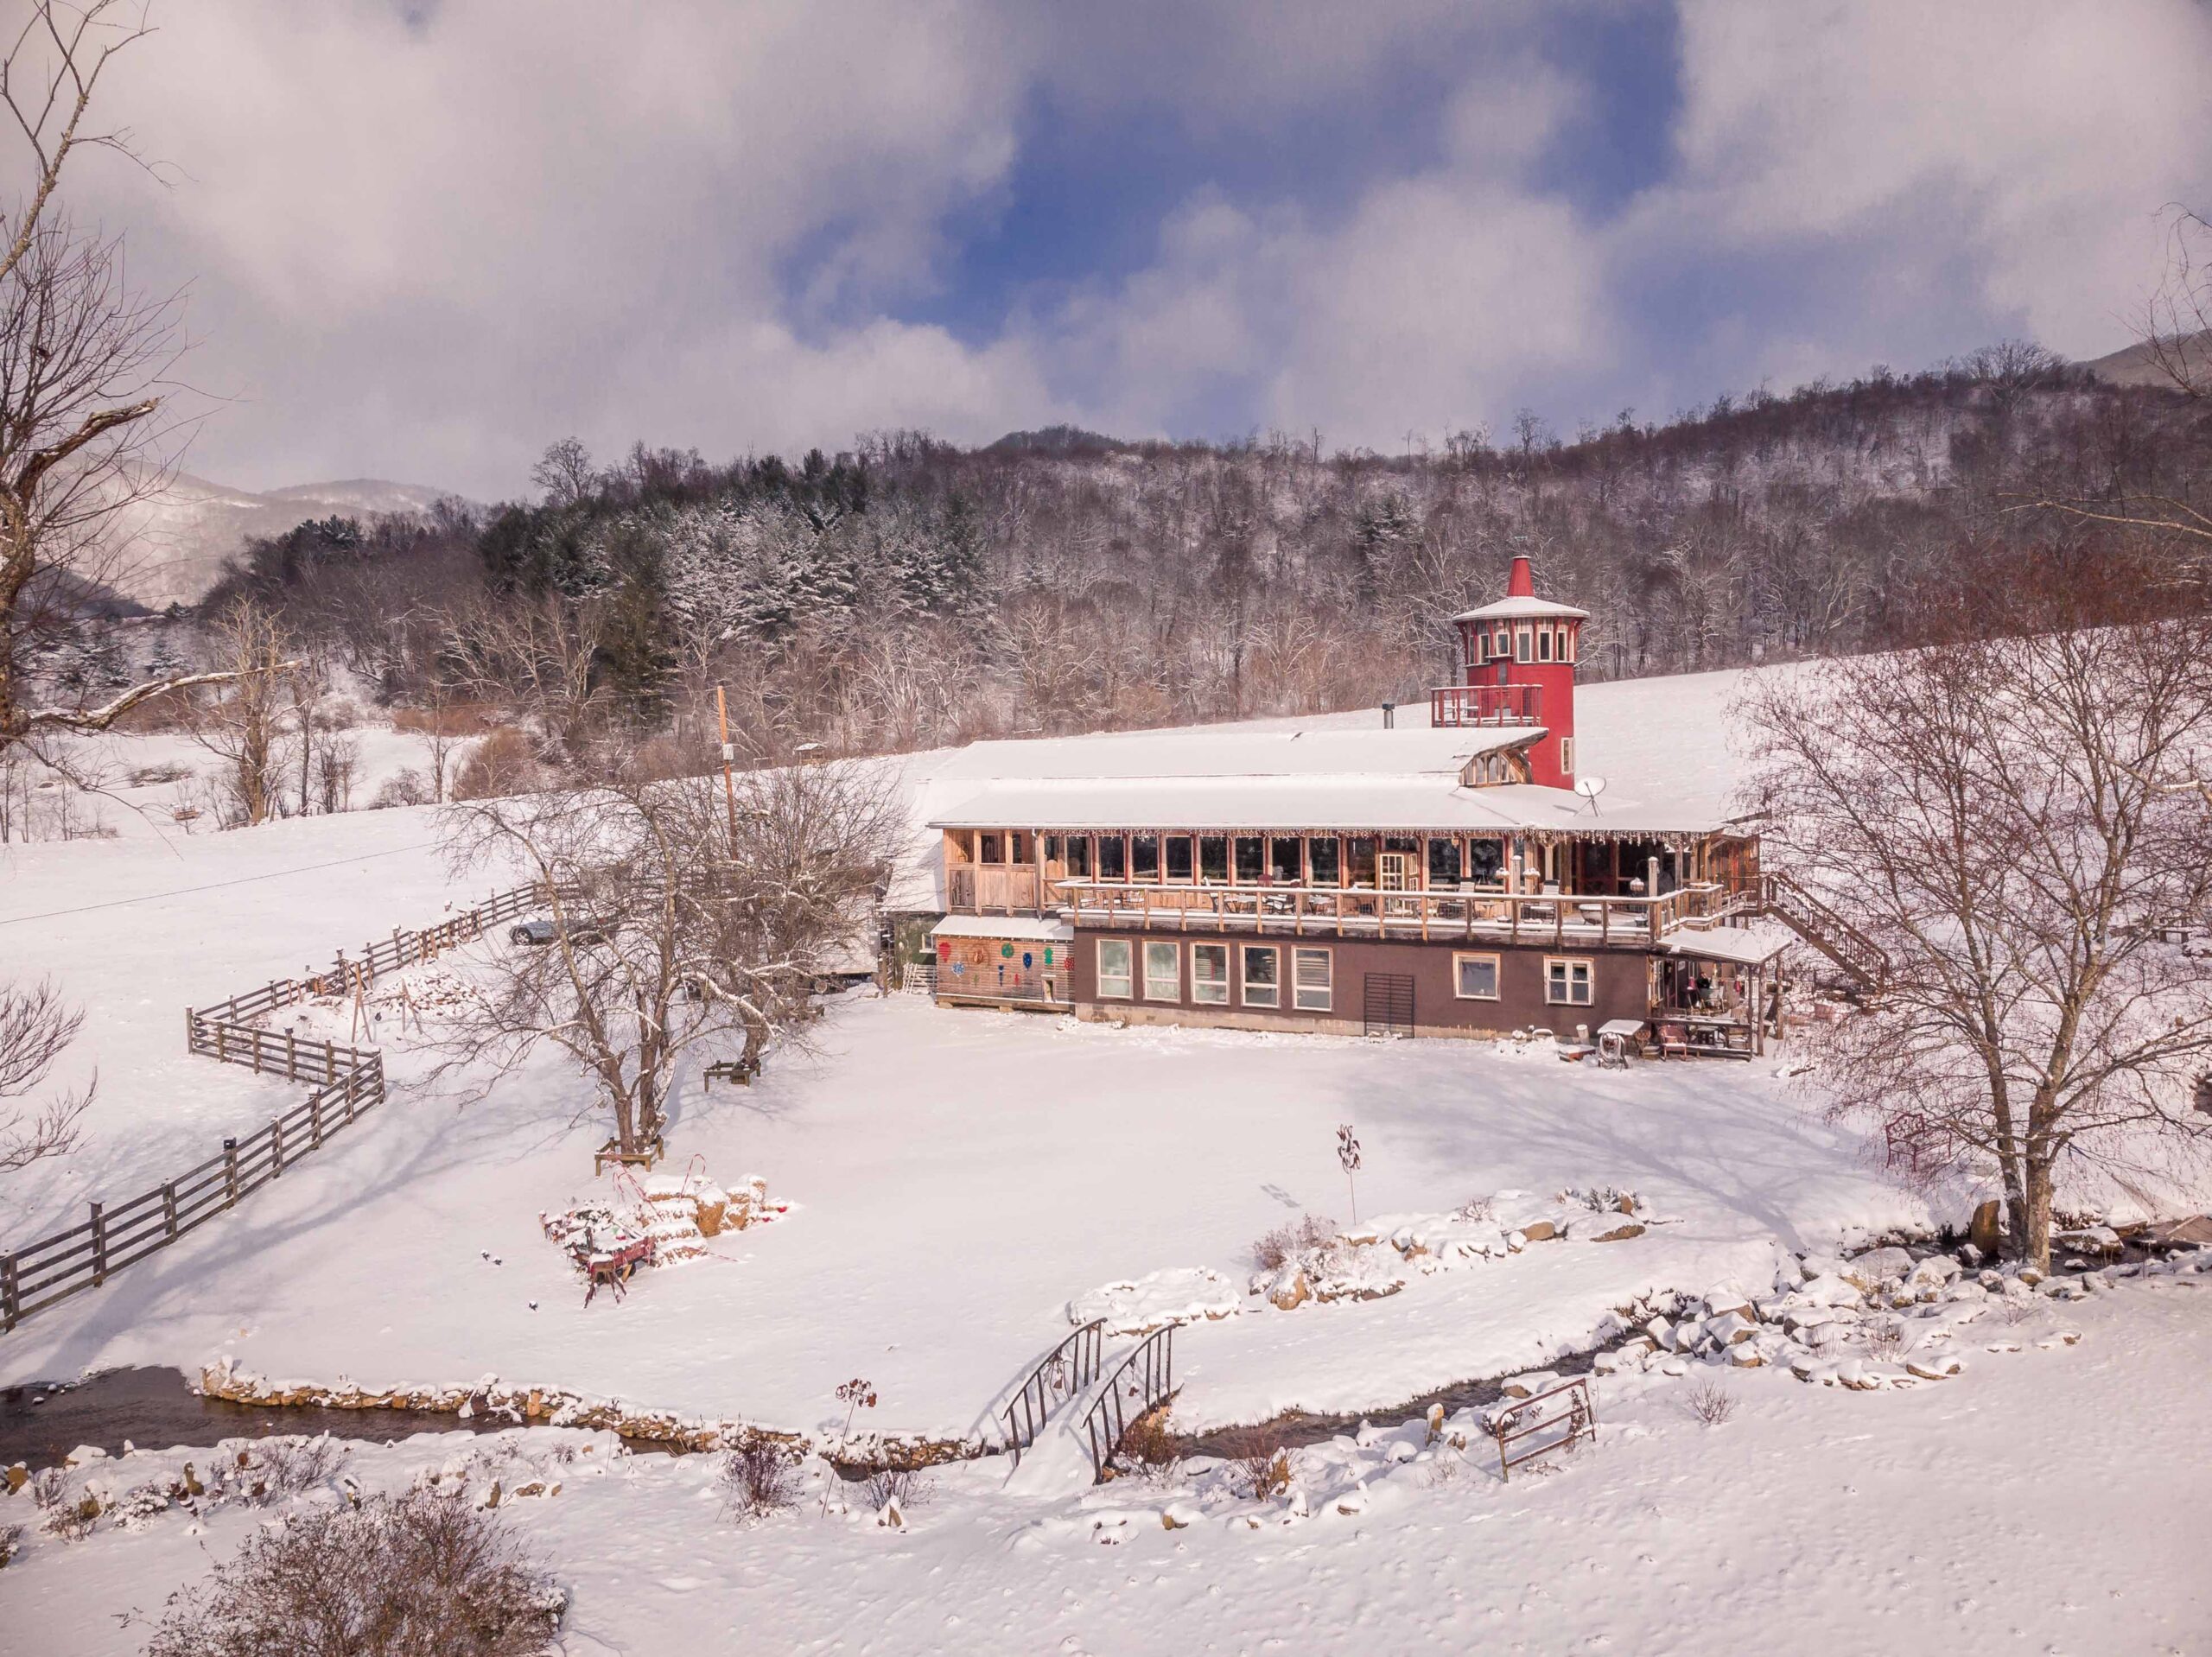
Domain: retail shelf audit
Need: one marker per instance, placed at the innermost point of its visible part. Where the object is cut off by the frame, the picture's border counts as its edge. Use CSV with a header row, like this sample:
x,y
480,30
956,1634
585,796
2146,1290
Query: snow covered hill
x,y
174,544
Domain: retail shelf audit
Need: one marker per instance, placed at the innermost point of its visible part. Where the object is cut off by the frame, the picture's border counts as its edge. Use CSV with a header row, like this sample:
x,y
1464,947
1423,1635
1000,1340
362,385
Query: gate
x,y
1388,1009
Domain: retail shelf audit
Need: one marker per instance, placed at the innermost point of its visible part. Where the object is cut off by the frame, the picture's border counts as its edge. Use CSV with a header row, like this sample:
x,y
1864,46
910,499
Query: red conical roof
x,y
1521,584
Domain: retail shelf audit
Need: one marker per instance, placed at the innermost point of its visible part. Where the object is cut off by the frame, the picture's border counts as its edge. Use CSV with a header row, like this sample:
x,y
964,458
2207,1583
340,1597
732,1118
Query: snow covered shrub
x,y
1286,1243
907,1486
1885,1337
1482,1208
759,1477
276,1469
415,1575
1259,1464
11,1543
1149,1448
1711,1402
406,787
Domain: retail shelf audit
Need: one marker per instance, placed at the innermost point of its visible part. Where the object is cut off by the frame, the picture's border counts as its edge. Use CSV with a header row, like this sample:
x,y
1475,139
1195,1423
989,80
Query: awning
x,y
1003,926
1746,946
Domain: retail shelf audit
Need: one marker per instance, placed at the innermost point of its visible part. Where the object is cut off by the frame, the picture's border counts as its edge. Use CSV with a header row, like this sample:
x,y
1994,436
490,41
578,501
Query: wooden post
x,y
100,1247
291,1055
169,1207
222,1045
9,1300
230,1172
329,1060
276,1147
314,1120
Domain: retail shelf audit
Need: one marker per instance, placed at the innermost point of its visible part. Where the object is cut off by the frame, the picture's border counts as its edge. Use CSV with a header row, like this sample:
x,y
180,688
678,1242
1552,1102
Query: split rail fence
x,y
347,1082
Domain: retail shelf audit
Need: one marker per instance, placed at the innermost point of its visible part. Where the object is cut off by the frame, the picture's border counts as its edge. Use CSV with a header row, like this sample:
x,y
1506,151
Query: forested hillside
x,y
909,593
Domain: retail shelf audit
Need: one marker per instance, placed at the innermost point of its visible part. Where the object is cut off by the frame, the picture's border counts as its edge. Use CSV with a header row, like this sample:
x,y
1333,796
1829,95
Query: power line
x,y
216,885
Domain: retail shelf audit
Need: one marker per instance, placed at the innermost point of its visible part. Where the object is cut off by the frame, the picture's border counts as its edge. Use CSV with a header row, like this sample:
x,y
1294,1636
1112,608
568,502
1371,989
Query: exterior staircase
x,y
1791,904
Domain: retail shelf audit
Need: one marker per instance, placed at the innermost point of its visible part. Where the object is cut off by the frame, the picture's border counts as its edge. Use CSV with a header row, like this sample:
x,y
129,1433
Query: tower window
x,y
1567,755
1543,644
1521,644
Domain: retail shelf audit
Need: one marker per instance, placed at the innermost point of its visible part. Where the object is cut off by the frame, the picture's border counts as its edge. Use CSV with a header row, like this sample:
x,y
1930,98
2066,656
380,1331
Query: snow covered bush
x,y
415,1575
759,1478
1711,1402
1280,1246
1149,1448
1259,1463
907,1487
11,1543
276,1469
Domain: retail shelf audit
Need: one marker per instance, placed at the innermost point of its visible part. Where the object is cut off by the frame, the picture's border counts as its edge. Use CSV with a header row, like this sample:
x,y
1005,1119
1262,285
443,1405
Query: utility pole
x,y
729,782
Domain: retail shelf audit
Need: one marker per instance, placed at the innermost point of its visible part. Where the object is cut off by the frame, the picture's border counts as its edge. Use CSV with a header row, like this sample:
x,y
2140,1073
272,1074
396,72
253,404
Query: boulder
x,y
1932,1366
1876,1266
1730,1329
1987,1230
1539,1231
1746,1356
1933,1273
1662,1333
1528,1386
1718,1301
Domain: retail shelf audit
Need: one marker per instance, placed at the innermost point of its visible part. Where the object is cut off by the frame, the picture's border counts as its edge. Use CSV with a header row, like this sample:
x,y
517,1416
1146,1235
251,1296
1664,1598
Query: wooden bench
x,y
611,1152
741,1072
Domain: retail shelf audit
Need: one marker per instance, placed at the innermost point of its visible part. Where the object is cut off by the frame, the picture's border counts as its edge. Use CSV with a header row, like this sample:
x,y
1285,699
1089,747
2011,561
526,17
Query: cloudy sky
x,y
423,239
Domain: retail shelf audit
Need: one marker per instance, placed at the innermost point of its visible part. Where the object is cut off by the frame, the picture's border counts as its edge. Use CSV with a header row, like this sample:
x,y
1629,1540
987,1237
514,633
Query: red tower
x,y
1519,655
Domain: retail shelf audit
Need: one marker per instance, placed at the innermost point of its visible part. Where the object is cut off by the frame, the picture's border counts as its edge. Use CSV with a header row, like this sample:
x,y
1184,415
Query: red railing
x,y
1486,705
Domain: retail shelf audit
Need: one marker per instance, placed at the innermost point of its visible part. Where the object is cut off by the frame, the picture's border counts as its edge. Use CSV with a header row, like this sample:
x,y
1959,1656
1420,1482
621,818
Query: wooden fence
x,y
347,1082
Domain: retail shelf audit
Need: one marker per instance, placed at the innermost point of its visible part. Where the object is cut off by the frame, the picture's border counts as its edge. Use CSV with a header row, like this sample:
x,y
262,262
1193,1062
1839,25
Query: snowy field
x,y
958,1179
2050,1500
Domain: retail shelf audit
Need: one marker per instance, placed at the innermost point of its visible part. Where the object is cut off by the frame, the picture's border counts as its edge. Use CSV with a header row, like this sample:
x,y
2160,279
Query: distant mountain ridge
x,y
177,542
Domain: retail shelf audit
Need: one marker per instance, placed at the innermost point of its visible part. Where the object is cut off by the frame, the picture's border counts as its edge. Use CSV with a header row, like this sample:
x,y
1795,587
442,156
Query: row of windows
x,y
1546,641
1567,979
1274,860
1259,965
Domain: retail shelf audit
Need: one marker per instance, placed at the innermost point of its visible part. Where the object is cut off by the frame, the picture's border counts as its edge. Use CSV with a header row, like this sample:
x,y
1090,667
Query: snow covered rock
x,y
1876,1266
1178,1294
1933,1366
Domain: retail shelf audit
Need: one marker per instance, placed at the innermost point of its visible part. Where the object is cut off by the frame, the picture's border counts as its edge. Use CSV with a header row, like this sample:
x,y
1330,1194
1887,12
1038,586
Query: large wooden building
x,y
1446,881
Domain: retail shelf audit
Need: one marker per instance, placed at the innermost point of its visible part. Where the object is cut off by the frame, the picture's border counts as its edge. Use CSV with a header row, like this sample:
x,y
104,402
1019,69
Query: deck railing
x,y
1364,911
1486,705
980,889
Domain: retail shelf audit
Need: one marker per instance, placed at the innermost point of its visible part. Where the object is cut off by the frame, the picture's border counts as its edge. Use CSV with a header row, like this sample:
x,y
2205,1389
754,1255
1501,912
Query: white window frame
x,y
1204,991
1559,976
1543,644
1523,642
1310,998
1496,975
1269,994
1174,952
1125,978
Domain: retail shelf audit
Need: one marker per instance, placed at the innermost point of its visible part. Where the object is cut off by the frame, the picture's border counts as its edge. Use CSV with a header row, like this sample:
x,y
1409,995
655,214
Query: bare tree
x,y
46,79
667,932
539,658
564,472
2000,816
243,723
36,1027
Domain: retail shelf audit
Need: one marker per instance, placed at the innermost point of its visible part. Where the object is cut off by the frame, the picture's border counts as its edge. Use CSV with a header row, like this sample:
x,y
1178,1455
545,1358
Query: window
x,y
1282,861
1566,983
1520,643
1210,973
1247,859
1263,976
1144,857
1079,854
1474,978
1543,644
1499,650
1213,857
1567,755
1322,855
1113,969
1482,649
1487,861
1052,848
1311,987
994,849
1179,857
1443,862
1018,848
1567,637
1113,858
1163,972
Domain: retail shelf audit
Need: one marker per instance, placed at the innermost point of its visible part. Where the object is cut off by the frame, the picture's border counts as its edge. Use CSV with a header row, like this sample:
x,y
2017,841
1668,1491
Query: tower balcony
x,y
1450,705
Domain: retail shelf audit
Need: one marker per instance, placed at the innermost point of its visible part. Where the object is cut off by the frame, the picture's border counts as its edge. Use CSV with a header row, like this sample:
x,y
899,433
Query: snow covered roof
x,y
1003,926
1236,751
1748,946
1522,609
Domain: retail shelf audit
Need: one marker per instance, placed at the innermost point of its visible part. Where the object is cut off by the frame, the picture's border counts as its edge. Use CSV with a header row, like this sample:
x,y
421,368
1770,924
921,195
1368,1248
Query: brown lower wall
x,y
1619,985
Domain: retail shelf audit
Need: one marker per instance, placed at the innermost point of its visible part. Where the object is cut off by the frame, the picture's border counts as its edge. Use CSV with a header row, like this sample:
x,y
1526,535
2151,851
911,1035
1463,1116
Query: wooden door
x,y
1394,871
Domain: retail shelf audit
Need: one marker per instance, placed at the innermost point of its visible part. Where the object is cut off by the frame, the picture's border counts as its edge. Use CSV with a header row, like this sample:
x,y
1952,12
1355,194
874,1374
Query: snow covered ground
x,y
2048,1499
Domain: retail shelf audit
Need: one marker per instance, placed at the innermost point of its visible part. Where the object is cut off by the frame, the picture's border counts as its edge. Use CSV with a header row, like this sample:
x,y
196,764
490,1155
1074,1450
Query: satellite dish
x,y
1589,788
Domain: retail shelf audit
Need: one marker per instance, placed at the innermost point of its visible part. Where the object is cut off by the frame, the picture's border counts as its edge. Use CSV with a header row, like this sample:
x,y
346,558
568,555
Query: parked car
x,y
545,931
